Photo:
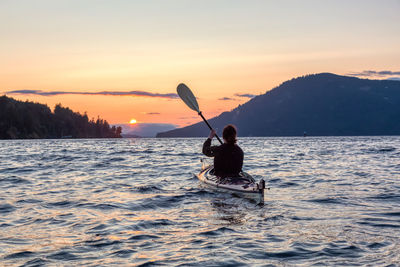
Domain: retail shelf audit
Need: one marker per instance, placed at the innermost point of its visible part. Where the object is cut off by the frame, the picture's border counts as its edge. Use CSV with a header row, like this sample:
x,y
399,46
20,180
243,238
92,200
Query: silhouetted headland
x,y
20,120
322,104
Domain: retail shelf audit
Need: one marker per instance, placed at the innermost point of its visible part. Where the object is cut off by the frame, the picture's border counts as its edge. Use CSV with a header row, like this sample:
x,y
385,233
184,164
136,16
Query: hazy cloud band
x,y
237,95
226,99
369,73
245,95
107,93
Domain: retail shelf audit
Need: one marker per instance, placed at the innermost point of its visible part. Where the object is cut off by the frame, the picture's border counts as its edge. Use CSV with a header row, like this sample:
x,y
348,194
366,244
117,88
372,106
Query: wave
x,y
6,208
63,256
22,254
141,237
14,180
147,189
149,224
327,201
379,150
101,243
218,231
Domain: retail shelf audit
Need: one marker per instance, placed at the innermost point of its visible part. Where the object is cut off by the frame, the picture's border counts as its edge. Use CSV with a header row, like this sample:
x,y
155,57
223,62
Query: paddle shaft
x,y
209,126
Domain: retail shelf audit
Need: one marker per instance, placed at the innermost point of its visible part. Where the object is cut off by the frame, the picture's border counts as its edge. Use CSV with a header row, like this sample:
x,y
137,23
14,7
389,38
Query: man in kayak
x,y
228,157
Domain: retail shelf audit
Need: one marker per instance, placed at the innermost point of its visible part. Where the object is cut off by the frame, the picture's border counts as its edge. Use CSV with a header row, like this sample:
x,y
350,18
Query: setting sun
x,y
133,121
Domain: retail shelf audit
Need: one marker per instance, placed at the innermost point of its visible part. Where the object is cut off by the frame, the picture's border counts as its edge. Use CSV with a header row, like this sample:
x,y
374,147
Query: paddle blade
x,y
187,96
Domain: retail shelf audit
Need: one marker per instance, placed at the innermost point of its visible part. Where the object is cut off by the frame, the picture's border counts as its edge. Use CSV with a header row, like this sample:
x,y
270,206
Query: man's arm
x,y
207,149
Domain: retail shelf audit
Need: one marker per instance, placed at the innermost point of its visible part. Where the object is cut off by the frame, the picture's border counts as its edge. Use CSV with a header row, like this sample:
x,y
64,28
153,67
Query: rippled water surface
x,y
332,201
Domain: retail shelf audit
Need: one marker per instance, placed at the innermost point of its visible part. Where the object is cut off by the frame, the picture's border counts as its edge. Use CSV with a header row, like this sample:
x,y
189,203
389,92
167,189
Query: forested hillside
x,y
319,104
19,120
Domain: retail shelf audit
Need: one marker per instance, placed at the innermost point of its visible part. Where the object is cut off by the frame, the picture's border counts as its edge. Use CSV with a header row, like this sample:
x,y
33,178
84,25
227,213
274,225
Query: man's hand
x,y
212,134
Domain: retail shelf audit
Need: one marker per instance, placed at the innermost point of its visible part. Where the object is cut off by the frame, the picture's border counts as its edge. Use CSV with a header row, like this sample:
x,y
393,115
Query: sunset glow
x,y
132,121
131,62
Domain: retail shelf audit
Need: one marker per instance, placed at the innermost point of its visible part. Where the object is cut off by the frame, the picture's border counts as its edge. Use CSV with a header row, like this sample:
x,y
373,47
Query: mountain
x,y
20,120
320,104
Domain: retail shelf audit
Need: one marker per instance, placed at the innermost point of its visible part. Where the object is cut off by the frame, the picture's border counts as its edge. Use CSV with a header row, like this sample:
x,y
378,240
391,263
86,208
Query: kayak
x,y
244,185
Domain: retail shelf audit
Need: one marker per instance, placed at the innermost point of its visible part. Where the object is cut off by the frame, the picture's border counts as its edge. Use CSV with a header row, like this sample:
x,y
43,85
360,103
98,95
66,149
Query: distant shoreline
x,y
199,137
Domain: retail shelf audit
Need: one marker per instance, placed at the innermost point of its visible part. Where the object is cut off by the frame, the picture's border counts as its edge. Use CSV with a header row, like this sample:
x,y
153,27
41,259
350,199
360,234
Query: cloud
x,y
226,99
237,95
151,113
107,93
373,73
245,95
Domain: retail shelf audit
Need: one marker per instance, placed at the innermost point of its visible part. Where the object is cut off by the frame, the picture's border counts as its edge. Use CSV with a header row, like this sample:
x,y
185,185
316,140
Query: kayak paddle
x,y
190,100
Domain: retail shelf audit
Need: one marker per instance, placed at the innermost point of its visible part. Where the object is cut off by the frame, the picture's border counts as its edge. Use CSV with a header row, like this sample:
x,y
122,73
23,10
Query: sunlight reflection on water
x,y
332,201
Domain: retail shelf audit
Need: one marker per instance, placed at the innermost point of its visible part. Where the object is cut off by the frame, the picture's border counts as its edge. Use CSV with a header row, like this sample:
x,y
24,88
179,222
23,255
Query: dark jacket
x,y
228,158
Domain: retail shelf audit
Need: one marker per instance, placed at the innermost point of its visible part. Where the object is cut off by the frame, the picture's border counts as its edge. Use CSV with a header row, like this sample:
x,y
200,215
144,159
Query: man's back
x,y
228,158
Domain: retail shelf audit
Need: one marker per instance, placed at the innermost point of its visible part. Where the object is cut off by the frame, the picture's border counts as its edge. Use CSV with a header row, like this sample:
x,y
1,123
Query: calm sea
x,y
332,201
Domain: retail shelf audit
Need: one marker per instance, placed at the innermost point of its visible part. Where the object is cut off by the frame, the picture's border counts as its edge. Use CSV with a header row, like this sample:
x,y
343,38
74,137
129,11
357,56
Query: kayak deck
x,y
244,185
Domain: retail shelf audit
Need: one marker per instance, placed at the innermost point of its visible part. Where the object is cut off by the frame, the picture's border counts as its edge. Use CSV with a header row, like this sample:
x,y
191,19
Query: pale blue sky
x,y
202,21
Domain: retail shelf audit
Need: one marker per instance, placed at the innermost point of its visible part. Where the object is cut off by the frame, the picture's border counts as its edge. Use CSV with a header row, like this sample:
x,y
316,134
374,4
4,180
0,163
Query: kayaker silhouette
x,y
228,157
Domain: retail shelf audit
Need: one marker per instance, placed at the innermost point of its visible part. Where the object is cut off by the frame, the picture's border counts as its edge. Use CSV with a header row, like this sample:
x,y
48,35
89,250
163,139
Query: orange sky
x,y
218,49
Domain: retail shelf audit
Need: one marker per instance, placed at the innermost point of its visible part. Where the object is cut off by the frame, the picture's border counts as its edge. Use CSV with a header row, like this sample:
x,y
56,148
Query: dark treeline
x,y
19,120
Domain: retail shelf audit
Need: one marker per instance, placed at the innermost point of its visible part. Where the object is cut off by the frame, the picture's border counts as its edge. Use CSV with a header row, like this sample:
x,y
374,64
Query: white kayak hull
x,y
244,186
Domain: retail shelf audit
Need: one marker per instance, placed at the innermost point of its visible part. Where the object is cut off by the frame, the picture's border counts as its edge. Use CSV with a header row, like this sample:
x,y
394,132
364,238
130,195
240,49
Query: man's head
x,y
229,134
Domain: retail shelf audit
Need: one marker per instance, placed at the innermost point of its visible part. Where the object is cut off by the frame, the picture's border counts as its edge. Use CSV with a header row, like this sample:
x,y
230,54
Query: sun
x,y
132,121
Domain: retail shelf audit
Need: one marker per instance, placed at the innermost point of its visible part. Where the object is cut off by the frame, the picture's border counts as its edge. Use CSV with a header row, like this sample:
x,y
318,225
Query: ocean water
x,y
333,201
